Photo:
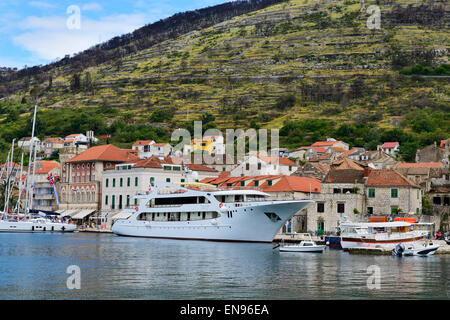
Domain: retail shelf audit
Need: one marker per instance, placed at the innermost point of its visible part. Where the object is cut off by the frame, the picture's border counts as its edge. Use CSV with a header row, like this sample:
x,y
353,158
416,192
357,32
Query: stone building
x,y
433,153
388,192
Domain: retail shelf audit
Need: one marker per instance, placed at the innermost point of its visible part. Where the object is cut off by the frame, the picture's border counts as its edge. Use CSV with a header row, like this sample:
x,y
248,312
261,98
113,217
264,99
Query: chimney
x,y
366,171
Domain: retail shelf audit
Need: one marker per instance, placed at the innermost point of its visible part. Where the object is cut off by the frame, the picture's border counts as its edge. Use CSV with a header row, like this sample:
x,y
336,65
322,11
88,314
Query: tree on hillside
x,y
286,101
75,82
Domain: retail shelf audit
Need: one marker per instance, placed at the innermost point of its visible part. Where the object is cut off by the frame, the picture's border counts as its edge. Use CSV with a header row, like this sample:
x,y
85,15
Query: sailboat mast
x,y
19,183
5,189
32,180
27,209
9,177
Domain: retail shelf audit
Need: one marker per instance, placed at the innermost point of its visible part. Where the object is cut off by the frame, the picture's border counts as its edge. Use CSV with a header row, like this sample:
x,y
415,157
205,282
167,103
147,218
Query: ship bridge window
x,y
178,201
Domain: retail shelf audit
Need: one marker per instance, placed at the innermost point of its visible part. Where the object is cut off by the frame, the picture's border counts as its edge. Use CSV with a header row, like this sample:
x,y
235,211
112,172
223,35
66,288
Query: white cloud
x,y
93,6
48,37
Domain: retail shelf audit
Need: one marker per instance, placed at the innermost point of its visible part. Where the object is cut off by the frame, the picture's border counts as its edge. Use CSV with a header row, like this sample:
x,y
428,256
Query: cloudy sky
x,y
38,32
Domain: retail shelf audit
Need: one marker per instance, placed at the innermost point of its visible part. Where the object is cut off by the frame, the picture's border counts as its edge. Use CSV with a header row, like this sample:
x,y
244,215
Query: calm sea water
x,y
33,266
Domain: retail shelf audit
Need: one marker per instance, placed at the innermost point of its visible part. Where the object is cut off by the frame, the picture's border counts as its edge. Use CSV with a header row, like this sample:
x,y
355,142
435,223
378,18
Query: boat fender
x,y
214,222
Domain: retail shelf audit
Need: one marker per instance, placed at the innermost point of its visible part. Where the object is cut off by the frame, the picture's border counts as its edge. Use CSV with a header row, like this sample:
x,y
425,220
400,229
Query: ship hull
x,y
347,242
27,226
246,224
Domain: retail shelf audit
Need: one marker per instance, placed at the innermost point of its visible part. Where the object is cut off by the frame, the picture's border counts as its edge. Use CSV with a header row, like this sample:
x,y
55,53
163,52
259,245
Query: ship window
x,y
253,197
180,201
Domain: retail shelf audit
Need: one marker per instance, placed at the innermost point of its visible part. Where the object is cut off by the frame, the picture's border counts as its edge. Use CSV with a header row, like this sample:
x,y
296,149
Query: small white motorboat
x,y
304,246
416,249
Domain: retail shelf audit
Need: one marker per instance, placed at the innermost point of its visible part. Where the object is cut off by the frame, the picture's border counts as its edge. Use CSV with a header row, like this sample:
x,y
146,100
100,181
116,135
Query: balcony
x,y
44,196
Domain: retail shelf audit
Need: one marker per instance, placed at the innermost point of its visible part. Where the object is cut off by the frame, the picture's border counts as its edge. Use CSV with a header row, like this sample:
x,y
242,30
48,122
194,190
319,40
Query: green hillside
x,y
279,67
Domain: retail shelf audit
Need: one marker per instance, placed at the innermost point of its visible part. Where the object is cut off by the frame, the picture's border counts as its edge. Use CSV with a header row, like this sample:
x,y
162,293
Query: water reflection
x,y
33,266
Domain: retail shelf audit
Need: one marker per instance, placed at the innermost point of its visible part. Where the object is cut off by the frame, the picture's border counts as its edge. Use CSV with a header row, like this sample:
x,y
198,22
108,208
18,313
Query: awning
x,y
71,212
123,215
82,214
60,211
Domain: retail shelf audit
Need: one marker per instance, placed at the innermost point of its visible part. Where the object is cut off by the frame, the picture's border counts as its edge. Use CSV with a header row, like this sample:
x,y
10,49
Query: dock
x,y
94,230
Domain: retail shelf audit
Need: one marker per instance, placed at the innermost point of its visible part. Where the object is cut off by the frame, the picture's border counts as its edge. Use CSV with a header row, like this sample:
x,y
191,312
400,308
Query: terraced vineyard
x,y
298,59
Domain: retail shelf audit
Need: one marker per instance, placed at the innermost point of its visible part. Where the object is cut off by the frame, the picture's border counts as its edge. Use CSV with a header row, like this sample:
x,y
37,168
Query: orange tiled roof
x,y
387,178
421,165
43,167
106,152
224,174
347,153
199,167
10,164
346,164
55,139
143,142
324,143
293,183
73,135
389,145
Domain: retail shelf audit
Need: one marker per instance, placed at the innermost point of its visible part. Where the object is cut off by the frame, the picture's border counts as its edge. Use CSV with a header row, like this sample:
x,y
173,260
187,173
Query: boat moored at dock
x,y
379,234
177,212
304,246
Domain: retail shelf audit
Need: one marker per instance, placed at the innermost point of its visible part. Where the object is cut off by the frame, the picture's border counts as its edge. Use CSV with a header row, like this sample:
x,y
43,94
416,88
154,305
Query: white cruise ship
x,y
176,212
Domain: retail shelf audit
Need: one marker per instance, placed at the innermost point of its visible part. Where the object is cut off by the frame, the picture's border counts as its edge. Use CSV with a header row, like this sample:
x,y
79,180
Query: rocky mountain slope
x,y
294,60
